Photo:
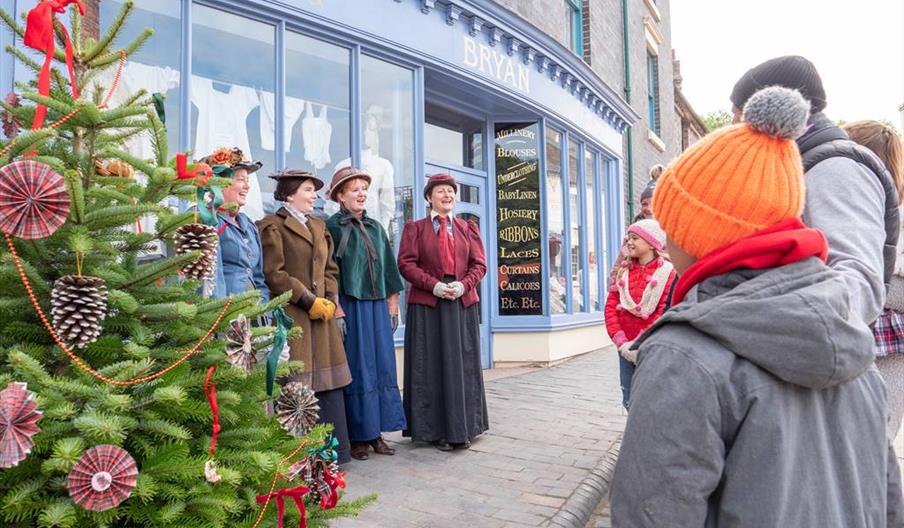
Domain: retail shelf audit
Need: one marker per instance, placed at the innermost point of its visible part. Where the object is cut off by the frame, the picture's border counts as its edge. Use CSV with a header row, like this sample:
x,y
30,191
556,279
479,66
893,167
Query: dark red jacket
x,y
421,265
624,321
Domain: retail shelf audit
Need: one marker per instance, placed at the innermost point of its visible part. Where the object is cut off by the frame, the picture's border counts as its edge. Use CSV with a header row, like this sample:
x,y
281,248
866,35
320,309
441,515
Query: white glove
x,y
458,287
440,290
627,353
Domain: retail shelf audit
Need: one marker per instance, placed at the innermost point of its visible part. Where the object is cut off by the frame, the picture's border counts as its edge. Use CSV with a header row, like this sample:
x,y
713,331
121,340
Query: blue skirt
x,y
372,400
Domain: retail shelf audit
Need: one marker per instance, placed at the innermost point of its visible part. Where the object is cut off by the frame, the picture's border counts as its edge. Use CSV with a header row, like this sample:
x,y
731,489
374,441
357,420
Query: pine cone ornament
x,y
191,237
296,407
78,306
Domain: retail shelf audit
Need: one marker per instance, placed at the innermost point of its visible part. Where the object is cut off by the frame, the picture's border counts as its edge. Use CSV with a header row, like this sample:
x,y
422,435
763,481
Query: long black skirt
x,y
332,411
444,397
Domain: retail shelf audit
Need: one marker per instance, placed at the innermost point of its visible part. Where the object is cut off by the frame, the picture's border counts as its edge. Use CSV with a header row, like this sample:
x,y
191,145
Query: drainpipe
x,y
630,153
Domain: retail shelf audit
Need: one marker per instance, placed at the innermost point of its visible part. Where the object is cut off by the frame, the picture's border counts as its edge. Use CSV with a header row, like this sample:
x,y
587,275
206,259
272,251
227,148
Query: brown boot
x,y
359,451
381,447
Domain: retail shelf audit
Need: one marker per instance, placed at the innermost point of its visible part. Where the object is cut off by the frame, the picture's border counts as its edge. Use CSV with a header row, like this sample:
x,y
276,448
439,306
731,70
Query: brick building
x,y
647,80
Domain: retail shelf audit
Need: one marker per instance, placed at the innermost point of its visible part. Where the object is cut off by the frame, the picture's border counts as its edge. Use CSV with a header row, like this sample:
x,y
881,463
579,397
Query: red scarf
x,y
784,243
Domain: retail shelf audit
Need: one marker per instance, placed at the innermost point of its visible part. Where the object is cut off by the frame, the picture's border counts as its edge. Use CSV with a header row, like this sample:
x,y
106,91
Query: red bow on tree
x,y
39,35
295,494
201,170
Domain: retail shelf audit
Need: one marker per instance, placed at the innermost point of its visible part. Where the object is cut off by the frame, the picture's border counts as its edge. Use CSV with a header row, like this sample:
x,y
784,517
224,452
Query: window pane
x,y
453,138
577,261
154,67
555,207
593,253
387,105
317,125
228,82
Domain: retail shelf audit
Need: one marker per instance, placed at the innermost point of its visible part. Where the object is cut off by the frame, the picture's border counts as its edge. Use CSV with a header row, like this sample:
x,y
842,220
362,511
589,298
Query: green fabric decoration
x,y
210,199
283,324
159,99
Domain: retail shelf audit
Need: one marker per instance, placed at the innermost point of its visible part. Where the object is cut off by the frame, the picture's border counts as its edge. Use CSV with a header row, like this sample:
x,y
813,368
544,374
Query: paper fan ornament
x,y
34,201
296,407
18,423
102,478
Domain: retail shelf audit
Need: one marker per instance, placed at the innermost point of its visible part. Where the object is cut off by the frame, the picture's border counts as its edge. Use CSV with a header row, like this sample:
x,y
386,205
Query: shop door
x,y
472,205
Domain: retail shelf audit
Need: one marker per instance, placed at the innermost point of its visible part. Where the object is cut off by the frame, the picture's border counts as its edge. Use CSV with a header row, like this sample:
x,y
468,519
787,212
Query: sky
x,y
857,47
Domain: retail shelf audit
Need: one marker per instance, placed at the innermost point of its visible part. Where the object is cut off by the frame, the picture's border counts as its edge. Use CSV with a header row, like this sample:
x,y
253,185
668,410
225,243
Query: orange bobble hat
x,y
738,180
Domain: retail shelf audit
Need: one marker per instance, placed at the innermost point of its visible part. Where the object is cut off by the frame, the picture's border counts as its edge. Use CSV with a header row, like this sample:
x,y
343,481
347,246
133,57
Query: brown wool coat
x,y
298,257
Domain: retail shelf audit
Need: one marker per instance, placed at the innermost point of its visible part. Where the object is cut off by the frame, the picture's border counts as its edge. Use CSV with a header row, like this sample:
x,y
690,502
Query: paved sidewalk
x,y
548,428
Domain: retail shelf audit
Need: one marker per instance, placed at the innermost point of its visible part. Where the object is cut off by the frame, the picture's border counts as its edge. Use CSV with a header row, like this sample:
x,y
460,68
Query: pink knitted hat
x,y
650,231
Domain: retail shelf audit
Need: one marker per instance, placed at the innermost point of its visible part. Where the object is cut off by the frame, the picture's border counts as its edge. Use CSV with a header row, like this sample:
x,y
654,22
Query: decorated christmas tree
x,y
127,398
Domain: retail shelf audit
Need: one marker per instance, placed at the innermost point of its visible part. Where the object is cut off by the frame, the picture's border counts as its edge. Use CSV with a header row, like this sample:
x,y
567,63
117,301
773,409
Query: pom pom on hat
x,y
737,180
778,112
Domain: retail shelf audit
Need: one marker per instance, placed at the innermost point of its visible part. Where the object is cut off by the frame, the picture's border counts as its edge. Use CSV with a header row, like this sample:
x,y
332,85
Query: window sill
x,y
654,139
651,5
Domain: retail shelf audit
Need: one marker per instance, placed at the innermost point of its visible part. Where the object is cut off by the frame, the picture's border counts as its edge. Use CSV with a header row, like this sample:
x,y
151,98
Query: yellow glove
x,y
322,309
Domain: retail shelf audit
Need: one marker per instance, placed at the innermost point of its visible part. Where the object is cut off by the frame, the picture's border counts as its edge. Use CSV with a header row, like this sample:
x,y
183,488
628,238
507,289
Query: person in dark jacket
x,y
298,257
368,311
443,259
851,198
755,401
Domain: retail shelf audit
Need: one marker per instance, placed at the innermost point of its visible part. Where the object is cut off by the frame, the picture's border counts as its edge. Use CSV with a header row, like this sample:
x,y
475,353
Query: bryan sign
x,y
500,66
518,219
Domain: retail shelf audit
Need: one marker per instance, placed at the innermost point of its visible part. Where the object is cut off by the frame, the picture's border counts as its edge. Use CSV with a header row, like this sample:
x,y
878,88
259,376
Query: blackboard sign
x,y
518,221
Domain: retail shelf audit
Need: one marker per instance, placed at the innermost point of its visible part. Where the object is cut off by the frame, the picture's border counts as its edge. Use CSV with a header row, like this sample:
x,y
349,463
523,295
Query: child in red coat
x,y
638,294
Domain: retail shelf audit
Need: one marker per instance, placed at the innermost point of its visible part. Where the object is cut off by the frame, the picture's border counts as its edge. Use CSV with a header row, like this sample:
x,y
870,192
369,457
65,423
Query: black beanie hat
x,y
790,71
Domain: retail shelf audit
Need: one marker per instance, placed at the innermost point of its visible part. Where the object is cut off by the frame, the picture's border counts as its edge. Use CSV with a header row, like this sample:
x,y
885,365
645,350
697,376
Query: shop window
x,y
575,221
233,68
154,67
317,108
387,148
575,28
653,92
590,222
452,138
555,221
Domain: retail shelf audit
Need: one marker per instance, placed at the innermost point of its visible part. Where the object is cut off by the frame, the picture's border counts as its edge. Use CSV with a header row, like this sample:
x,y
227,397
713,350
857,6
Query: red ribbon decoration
x,y
334,482
201,170
39,35
210,390
295,494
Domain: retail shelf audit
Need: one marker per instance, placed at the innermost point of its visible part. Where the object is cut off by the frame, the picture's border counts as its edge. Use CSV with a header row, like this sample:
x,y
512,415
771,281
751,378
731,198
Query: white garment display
x,y
134,77
222,120
292,110
315,135
380,202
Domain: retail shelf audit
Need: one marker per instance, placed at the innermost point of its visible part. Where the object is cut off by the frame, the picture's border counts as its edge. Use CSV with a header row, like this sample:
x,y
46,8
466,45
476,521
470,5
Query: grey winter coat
x,y
845,200
756,404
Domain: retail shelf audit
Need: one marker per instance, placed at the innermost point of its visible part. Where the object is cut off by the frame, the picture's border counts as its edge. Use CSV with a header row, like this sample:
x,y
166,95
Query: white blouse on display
x,y
315,135
292,110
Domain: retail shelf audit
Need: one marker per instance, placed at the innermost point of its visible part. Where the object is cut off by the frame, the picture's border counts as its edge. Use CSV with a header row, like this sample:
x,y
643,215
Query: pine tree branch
x,y
138,164
110,35
11,23
130,50
167,312
25,142
117,215
148,273
20,55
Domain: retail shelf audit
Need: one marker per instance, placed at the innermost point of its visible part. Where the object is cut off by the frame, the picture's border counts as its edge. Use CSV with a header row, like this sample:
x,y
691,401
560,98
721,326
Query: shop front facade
x,y
405,89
